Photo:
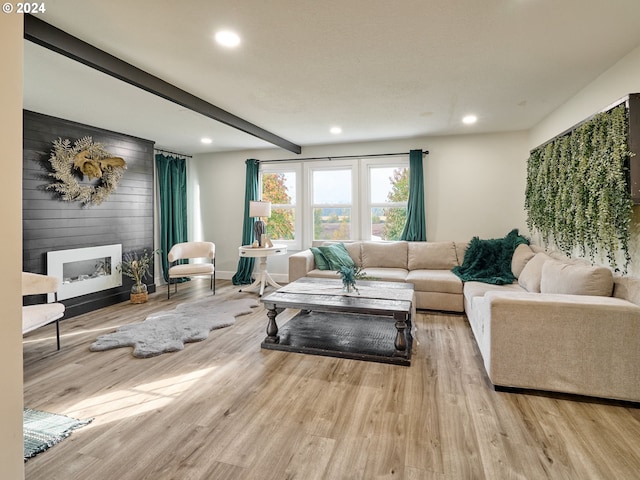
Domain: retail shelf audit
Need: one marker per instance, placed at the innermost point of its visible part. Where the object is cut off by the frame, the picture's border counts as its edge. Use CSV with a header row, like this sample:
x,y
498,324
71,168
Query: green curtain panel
x,y
245,265
172,186
415,227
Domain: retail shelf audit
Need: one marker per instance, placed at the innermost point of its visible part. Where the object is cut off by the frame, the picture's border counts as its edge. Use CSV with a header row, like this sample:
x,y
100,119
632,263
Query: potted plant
x,y
137,269
349,275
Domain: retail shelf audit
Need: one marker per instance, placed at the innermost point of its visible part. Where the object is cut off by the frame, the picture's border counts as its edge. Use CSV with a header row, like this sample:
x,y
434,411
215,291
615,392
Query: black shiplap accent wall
x,y
50,223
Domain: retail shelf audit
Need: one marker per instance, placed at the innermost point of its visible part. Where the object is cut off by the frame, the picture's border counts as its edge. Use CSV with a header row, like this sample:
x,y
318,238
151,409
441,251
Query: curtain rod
x,y
329,157
172,153
620,101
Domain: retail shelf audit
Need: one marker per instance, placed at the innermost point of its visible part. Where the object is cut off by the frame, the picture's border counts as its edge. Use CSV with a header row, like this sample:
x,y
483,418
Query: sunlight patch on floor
x,y
138,399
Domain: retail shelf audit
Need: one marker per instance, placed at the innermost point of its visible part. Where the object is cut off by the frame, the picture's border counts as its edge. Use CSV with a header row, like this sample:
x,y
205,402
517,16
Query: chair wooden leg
x,y
58,333
169,289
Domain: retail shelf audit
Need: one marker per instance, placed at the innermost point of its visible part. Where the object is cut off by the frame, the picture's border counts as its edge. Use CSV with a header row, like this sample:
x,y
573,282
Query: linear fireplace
x,y
85,270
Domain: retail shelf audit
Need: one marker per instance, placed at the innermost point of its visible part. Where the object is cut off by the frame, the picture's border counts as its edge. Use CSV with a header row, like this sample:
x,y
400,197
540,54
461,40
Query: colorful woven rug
x,y
43,430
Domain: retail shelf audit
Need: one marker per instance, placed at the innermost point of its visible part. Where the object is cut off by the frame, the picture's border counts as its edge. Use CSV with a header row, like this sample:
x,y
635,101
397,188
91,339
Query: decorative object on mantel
x,y
577,194
349,275
168,331
84,158
137,269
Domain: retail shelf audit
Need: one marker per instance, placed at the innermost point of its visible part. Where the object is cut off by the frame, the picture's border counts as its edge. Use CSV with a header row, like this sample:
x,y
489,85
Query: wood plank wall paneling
x,y
50,223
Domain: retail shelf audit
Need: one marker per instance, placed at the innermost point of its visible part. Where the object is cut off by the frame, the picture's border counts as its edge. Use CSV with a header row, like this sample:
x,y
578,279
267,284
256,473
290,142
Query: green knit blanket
x,y
489,261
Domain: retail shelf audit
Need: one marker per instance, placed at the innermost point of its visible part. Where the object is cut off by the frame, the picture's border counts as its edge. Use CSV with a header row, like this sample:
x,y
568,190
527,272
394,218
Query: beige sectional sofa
x,y
563,326
425,264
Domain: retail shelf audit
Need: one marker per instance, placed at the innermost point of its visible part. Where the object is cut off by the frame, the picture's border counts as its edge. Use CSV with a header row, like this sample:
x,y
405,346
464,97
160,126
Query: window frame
x,y
310,168
361,203
366,204
297,242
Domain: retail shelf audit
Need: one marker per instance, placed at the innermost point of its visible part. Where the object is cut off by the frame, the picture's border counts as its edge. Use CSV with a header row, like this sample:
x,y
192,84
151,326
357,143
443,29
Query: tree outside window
x,y
389,190
279,189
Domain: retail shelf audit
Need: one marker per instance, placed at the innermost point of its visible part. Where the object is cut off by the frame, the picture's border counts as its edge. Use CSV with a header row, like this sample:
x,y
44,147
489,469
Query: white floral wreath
x,y
89,159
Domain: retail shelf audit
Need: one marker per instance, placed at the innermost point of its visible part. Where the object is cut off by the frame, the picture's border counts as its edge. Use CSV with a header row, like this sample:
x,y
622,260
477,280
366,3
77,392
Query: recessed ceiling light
x,y
336,130
227,38
469,119
206,140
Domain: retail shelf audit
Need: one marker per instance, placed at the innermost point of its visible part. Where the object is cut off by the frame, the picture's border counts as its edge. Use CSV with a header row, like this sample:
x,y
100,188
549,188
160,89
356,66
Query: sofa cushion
x,y
521,256
336,256
576,279
384,254
461,249
319,258
317,273
386,274
443,281
478,289
531,274
431,255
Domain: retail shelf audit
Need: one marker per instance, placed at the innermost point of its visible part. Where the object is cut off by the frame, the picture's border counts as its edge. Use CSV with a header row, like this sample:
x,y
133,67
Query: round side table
x,y
263,276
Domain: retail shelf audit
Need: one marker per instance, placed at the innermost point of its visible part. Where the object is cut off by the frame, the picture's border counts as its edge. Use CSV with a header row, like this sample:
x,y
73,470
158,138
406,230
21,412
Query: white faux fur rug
x,y
168,331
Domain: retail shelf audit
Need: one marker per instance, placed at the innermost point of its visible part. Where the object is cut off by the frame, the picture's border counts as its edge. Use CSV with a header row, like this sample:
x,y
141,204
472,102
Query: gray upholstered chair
x,y
187,251
39,315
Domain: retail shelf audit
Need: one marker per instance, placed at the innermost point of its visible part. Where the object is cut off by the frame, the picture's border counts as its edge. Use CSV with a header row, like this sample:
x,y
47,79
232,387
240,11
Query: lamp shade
x,y
259,209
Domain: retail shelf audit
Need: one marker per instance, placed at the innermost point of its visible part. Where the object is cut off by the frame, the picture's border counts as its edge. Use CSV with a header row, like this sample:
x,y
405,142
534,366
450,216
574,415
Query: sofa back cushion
x,y
461,249
431,255
627,288
384,254
576,279
531,274
521,256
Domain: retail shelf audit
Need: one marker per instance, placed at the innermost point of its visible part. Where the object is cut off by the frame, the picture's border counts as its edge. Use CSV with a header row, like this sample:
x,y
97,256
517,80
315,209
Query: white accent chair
x,y
191,250
39,315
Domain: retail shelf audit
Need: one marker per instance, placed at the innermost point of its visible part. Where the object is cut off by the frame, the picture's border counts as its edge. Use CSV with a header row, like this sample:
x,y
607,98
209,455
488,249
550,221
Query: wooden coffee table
x,y
374,324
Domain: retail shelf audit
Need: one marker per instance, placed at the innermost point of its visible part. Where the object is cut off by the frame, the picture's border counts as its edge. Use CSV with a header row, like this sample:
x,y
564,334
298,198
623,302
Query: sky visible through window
x,y
332,187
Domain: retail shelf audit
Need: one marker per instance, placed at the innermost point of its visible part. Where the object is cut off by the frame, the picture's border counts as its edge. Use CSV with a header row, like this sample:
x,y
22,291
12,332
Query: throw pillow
x,y
576,279
521,256
321,261
337,256
531,274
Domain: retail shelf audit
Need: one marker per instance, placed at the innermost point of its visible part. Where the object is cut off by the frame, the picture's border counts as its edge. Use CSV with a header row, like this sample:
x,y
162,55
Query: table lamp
x,y
258,209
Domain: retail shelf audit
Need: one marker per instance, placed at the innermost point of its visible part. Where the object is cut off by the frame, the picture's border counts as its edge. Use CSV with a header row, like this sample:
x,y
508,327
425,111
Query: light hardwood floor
x,y
225,409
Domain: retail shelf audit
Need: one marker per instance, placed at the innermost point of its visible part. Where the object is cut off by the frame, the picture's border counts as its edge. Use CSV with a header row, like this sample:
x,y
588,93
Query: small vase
x,y
348,287
139,293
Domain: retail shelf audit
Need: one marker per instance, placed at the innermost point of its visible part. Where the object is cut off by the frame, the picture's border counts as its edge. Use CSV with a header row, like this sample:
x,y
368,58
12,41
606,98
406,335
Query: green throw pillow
x,y
321,261
337,256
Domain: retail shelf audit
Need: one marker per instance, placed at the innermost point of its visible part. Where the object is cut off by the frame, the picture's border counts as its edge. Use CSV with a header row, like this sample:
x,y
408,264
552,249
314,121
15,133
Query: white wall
x,y
11,442
620,80
474,185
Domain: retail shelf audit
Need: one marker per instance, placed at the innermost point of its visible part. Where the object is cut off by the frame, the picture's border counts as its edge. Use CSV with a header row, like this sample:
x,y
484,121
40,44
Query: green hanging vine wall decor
x,y
577,194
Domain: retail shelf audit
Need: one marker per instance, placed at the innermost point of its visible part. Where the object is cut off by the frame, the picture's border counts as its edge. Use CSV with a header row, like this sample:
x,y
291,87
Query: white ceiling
x,y
380,69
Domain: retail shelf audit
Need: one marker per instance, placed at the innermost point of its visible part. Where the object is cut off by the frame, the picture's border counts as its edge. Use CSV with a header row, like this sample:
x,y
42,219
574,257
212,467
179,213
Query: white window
x,y
355,199
331,207
386,200
280,186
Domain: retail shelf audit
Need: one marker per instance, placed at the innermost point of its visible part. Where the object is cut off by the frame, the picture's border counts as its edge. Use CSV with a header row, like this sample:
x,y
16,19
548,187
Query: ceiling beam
x,y
48,36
